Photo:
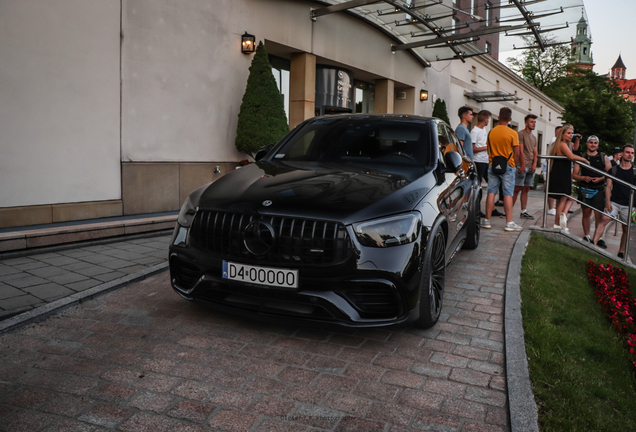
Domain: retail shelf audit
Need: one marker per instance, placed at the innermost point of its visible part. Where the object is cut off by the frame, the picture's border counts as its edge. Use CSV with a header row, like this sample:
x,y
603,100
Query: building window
x,y
473,71
473,10
584,51
454,24
550,116
488,47
364,97
498,86
488,6
539,147
529,104
516,101
541,110
280,70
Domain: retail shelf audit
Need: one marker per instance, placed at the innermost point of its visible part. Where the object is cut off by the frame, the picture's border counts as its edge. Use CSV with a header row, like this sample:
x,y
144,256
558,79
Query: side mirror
x,y
260,154
453,161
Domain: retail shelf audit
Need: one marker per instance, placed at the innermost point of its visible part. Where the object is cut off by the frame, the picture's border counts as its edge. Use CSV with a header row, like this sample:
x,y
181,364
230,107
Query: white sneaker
x,y
552,212
485,223
511,226
563,221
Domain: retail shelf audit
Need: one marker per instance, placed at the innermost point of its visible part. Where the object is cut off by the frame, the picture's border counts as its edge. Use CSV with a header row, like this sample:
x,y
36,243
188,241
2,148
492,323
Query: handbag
x,y
588,193
499,163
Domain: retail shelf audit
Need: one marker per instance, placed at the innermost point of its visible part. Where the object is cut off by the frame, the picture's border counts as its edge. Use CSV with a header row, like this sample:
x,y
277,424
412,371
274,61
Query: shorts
x,y
507,180
482,171
524,179
620,212
597,202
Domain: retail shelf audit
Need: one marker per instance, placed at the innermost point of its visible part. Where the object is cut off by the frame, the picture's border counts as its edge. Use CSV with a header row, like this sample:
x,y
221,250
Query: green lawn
x,y
580,370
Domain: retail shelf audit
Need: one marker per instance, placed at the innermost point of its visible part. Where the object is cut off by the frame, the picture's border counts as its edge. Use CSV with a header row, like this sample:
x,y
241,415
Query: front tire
x,y
433,280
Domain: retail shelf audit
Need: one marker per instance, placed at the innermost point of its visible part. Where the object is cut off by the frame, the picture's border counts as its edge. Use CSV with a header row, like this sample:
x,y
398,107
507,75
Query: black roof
x,y
619,63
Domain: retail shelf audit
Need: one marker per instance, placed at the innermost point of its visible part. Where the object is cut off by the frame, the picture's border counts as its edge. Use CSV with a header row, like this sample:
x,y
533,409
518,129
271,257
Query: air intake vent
x,y
185,275
373,300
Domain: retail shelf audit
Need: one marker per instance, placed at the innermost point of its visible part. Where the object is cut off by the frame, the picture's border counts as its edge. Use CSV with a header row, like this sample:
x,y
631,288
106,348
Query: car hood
x,y
317,191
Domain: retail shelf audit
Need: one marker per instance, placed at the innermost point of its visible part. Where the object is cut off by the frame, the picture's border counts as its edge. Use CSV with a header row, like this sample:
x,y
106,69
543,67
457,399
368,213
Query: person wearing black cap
x,y
592,188
616,156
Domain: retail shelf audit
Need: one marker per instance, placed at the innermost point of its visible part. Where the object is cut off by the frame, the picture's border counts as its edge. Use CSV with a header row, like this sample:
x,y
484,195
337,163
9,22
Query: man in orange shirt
x,y
502,141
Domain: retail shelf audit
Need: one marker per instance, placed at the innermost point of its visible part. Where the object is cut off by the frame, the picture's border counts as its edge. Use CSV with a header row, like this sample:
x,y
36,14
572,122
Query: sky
x,y
611,27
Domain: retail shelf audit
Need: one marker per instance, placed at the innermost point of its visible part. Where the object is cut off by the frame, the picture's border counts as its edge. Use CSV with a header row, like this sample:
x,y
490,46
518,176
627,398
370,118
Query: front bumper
x,y
373,287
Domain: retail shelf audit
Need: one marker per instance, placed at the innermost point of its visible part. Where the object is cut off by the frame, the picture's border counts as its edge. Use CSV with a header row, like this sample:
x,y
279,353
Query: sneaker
x,y
485,223
563,221
552,212
558,227
621,255
482,214
526,215
496,212
601,243
499,204
511,226
588,239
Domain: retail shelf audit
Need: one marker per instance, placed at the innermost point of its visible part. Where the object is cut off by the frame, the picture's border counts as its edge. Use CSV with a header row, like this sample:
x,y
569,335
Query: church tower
x,y
618,70
582,46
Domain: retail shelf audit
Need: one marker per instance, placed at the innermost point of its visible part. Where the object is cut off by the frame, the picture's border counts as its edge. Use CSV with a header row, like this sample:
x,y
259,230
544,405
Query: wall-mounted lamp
x,y
423,95
247,43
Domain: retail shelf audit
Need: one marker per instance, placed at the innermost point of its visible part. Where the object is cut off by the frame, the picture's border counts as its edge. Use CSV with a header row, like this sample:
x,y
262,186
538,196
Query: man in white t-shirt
x,y
479,137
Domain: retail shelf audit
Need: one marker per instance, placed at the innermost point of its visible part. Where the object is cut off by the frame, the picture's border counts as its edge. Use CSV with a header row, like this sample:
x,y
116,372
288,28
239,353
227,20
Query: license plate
x,y
276,277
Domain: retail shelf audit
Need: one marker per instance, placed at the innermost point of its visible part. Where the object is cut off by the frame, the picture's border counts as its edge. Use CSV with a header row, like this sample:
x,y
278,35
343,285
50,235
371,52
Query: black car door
x,y
452,196
466,181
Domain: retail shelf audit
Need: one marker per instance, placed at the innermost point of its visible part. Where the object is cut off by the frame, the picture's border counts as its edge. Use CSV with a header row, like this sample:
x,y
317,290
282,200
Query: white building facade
x,y
122,107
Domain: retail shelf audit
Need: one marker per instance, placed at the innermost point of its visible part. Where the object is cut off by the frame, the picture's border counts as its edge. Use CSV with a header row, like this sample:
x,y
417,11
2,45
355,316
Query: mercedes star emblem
x,y
267,203
258,237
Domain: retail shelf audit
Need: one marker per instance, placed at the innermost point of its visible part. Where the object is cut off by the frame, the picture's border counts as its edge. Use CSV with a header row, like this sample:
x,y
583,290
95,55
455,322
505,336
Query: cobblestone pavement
x,y
143,359
35,279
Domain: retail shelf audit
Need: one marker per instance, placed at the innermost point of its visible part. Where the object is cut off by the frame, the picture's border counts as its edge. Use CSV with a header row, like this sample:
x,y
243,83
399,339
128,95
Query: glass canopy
x,y
434,30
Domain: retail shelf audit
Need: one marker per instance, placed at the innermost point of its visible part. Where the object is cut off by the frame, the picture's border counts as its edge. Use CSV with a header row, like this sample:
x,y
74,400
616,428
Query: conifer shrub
x,y
439,110
261,120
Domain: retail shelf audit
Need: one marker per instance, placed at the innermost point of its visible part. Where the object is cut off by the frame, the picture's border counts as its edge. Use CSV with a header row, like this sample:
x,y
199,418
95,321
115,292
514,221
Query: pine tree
x,y
261,119
439,110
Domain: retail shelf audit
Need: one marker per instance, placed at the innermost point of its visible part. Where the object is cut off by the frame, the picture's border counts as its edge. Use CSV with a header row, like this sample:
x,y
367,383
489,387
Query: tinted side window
x,y
447,141
452,138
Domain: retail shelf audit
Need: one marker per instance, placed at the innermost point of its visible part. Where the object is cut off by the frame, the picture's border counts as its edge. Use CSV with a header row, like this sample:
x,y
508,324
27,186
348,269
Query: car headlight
x,y
391,231
186,215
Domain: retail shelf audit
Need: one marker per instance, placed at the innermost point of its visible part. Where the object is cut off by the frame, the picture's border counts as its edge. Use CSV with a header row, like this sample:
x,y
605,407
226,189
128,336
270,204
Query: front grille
x,y
297,241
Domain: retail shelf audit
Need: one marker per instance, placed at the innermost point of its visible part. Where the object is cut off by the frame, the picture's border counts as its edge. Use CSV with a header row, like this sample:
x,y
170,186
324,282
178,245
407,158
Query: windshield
x,y
368,141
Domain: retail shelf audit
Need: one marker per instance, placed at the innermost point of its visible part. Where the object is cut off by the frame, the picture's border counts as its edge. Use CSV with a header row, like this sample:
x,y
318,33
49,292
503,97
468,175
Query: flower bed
x,y
612,288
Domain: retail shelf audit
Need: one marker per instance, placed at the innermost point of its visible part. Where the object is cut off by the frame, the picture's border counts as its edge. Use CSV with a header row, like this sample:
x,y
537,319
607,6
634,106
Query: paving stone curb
x,y
66,246
523,409
44,311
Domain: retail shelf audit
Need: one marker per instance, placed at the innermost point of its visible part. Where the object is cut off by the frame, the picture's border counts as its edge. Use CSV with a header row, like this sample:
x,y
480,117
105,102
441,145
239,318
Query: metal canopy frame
x,y
379,13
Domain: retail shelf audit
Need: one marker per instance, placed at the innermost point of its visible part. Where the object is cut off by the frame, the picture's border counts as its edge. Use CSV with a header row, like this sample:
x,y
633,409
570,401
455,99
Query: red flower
x,y
612,288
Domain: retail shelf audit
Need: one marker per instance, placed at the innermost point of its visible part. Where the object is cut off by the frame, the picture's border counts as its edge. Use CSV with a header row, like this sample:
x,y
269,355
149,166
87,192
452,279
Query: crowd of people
x,y
507,160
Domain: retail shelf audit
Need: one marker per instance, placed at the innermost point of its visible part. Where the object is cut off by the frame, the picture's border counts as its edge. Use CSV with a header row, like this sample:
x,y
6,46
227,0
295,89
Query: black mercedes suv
x,y
350,219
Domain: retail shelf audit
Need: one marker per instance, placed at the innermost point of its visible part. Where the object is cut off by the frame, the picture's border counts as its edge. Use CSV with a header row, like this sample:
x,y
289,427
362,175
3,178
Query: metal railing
x,y
631,187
